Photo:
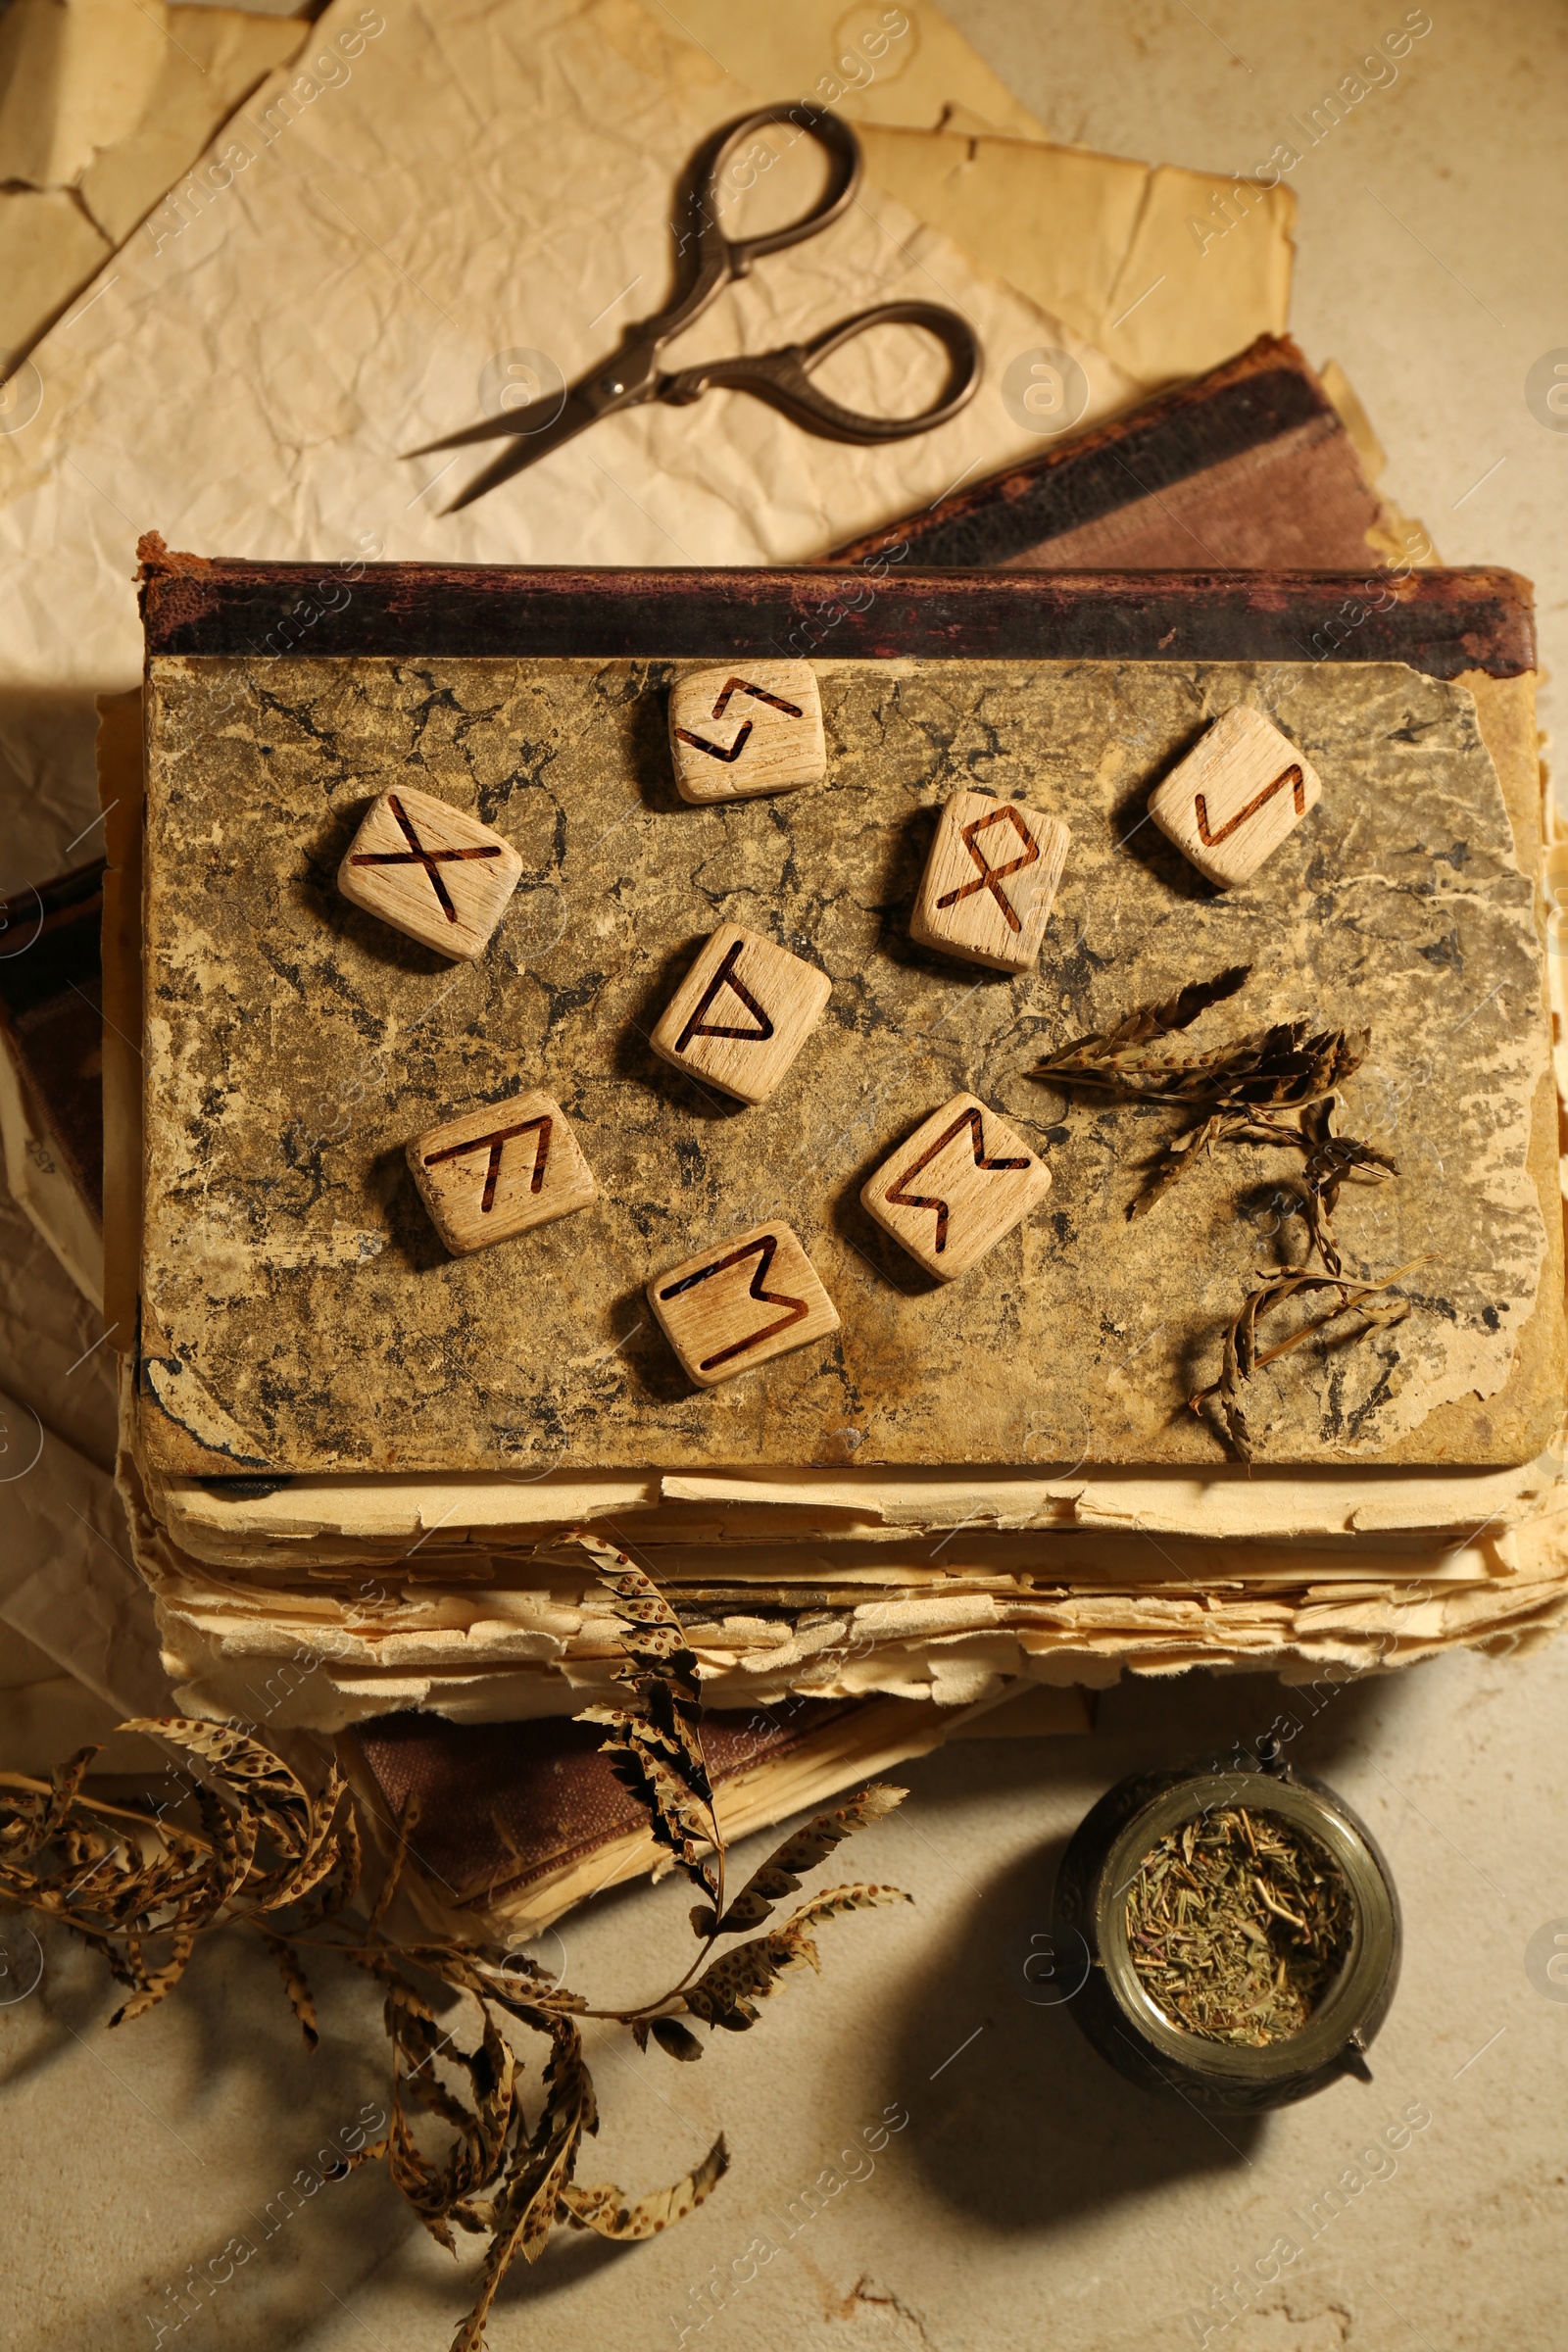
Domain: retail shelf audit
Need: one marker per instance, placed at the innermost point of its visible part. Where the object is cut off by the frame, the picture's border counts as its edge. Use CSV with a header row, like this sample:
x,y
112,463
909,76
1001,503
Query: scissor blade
x,y
488,428
526,450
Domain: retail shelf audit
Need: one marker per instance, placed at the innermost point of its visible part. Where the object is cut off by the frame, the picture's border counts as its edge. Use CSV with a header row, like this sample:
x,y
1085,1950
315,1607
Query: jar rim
x,y
1352,1994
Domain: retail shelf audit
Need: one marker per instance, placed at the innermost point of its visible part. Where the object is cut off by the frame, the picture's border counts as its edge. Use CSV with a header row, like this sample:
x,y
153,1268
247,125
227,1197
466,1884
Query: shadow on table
x,y
1014,2117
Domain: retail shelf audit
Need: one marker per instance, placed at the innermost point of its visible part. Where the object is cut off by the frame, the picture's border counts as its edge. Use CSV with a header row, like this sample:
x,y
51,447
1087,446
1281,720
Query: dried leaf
x,y
864,1895
233,1837
674,2039
673,1815
1146,1022
400,1855
322,1852
298,1991
729,1988
801,1852
606,2209
251,1773
414,2178
658,1754
1242,1355
1288,1063
152,1984
527,2207
661,1670
41,1816
653,1638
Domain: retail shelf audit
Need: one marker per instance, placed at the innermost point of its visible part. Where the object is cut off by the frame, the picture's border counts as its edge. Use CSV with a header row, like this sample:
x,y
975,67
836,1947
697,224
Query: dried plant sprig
x,y
729,1988
1242,1356
1289,1066
780,1874
285,1860
1329,1161
1279,1088
658,1752
1097,1057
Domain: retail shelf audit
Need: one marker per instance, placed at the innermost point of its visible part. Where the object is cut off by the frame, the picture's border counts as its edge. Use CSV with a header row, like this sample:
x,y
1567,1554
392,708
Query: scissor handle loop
x,y
784,377
830,131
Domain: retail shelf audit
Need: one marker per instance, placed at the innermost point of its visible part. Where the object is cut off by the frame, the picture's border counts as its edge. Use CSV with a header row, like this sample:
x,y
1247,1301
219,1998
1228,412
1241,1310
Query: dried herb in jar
x,y
1237,1923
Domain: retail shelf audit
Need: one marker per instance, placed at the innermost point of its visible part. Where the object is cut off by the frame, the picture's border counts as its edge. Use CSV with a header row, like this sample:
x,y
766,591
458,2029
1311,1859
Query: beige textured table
x,y
1032,2198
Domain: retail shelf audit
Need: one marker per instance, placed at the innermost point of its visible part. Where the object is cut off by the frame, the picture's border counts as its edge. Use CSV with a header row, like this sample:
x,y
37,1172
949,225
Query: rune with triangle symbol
x,y
725,977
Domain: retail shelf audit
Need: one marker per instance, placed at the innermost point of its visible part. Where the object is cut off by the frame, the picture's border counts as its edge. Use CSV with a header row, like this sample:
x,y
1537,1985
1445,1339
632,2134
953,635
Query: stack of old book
x,y
355,1470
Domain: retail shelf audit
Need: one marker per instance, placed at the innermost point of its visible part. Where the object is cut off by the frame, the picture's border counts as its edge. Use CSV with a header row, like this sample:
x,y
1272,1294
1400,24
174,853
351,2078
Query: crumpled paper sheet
x,y
102,104
858,61
265,346
422,266
44,1714
67,1583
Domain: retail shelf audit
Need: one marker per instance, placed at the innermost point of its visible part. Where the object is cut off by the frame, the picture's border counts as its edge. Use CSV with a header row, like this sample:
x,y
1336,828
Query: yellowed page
x,y
1137,260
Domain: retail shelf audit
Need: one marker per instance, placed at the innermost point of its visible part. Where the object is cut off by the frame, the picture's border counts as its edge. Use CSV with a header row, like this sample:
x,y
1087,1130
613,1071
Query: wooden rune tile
x,y
742,1302
742,1013
989,882
734,733
430,870
1236,796
495,1172
960,1182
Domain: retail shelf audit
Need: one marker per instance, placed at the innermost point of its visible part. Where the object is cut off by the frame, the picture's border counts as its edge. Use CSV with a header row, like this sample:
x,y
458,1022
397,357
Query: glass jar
x,y
1115,2008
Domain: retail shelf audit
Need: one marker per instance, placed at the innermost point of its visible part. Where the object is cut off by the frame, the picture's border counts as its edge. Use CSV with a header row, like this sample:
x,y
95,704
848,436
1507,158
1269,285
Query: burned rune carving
x,y
417,854
700,743
1292,775
763,1249
899,1194
725,977
990,877
497,1142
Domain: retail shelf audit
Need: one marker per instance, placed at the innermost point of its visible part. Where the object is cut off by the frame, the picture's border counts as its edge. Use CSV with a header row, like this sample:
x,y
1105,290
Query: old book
x,y
519,1820
1385,690
1262,1517
1250,464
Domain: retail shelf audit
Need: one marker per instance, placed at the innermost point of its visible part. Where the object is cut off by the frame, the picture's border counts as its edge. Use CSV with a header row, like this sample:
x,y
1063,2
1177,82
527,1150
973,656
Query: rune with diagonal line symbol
x,y
417,854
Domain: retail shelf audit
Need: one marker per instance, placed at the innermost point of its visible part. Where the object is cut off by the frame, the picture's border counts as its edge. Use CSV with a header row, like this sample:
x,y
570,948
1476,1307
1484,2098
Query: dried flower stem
x,y
285,1860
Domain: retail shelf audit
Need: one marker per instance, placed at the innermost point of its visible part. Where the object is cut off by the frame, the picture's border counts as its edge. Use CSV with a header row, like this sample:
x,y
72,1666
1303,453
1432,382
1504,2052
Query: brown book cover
x,y
516,1822
1250,466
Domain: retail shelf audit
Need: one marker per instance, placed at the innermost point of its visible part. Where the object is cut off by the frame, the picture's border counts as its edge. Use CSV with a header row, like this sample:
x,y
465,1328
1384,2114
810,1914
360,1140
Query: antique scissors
x,y
782,377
